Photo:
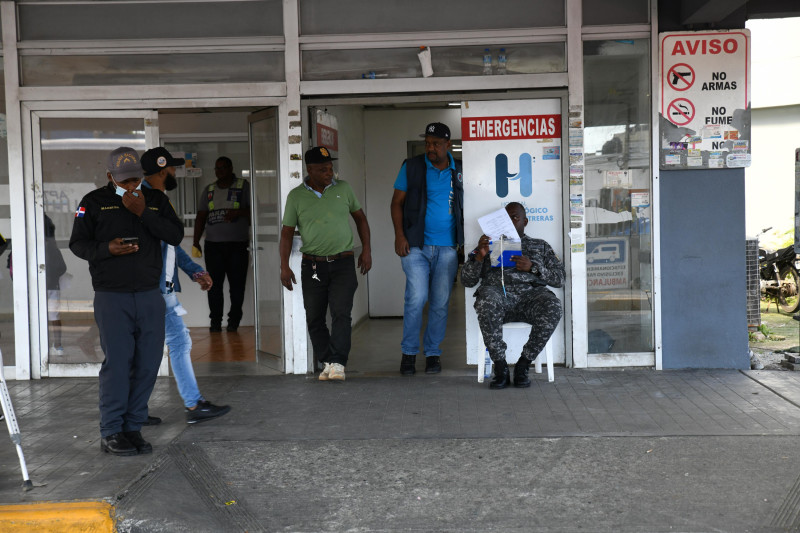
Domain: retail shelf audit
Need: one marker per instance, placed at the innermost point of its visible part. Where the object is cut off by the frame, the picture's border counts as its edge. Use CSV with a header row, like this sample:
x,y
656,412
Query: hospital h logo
x,y
524,176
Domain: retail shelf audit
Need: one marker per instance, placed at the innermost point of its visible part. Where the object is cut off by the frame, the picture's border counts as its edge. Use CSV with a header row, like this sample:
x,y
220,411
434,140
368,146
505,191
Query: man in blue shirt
x,y
428,218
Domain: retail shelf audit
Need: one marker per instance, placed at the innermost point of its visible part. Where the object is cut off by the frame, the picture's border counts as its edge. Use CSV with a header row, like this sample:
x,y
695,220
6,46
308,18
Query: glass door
x,y
266,231
70,151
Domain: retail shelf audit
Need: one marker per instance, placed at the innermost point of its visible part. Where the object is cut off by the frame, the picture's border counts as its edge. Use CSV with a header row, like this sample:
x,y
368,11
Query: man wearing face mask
x,y
118,229
159,171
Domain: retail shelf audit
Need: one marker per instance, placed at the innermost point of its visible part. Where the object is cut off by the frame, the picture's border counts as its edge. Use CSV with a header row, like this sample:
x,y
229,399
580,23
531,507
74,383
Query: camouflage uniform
x,y
527,298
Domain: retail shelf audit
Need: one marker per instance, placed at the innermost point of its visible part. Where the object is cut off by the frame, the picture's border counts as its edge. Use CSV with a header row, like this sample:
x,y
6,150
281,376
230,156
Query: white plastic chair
x,y
516,334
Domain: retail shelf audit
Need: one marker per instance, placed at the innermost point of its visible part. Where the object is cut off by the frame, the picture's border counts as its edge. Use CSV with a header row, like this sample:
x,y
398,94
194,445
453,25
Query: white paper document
x,y
498,223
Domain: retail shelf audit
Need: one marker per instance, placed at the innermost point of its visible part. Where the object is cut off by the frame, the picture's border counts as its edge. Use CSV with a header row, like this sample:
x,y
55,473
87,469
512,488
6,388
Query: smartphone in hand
x,y
130,240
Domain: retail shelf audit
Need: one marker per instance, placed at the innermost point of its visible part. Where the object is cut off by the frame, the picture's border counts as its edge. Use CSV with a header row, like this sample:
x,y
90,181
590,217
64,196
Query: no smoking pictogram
x,y
680,111
680,77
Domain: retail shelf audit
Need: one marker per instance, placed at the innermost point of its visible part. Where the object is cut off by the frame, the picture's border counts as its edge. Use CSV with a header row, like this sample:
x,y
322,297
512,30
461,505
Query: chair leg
x,y
549,354
537,363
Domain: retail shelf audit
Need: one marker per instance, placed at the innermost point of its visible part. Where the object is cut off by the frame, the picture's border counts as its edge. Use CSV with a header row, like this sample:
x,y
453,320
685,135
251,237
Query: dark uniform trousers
x,y
227,259
537,306
132,336
334,289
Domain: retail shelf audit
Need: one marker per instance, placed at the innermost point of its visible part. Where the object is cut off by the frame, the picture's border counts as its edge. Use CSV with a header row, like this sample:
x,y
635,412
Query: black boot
x,y
501,378
521,373
407,365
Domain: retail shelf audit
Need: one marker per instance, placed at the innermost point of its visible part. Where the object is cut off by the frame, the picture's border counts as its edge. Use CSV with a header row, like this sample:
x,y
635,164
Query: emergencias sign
x,y
705,99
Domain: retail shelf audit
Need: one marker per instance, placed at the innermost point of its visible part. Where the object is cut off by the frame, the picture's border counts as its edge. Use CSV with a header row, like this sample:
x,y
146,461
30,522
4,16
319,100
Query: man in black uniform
x,y
118,229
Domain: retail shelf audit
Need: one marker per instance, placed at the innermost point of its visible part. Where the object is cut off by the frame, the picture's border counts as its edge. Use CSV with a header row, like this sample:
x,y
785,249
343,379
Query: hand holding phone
x,y
123,245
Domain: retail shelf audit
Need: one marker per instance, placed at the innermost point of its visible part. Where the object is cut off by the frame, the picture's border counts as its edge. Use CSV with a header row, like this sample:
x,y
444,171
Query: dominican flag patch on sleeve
x,y
80,212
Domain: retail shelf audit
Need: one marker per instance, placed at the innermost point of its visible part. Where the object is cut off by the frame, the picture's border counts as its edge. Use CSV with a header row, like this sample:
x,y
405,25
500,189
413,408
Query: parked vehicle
x,y
779,277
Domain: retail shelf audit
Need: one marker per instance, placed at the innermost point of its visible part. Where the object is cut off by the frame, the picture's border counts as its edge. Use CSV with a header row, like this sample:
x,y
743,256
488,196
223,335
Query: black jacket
x,y
101,217
416,202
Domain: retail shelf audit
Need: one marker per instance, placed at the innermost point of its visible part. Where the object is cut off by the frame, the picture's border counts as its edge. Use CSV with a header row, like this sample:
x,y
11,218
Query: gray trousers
x,y
538,307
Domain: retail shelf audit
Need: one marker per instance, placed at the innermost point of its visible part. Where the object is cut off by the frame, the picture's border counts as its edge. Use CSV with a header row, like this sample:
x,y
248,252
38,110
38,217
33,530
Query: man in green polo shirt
x,y
319,209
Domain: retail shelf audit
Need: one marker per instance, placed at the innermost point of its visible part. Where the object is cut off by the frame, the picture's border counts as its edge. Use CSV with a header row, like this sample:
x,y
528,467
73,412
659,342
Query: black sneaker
x,y
215,327
205,411
232,327
433,365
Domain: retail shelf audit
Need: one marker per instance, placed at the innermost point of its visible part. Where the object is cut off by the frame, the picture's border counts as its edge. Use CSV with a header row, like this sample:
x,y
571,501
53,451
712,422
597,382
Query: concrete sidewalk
x,y
632,450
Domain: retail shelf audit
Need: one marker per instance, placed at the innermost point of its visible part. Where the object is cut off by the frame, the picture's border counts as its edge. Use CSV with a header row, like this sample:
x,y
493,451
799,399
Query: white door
x,y
265,178
69,152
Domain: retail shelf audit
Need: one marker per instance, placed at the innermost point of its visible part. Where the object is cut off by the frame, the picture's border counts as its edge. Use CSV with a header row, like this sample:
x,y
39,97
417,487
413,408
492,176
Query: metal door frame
x,y
37,288
277,362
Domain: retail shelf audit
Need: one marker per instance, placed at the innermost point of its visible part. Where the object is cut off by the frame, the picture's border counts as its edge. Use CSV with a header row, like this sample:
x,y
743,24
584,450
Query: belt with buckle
x,y
327,258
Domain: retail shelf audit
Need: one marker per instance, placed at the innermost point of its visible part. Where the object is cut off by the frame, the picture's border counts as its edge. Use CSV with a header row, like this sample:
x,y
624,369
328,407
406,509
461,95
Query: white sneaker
x,y
325,374
336,372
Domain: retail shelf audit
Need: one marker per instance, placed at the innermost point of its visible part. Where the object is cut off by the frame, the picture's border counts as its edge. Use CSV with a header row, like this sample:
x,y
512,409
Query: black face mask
x,y
170,182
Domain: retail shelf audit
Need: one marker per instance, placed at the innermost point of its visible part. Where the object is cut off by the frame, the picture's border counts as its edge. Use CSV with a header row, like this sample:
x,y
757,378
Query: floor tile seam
x,y
53,463
75,469
586,409
771,389
657,404
742,398
531,408
721,409
603,404
627,405
557,394
681,399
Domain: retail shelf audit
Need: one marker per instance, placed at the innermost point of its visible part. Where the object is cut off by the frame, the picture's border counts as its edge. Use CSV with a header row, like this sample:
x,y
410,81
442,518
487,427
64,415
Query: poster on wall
x,y
512,152
704,112
325,131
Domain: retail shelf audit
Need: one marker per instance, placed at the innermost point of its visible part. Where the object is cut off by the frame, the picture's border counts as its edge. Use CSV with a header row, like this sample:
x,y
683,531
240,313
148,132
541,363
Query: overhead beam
x,y
708,11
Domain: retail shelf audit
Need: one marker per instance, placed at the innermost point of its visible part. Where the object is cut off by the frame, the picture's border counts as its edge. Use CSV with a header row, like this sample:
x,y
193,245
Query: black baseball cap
x,y
318,154
158,158
437,129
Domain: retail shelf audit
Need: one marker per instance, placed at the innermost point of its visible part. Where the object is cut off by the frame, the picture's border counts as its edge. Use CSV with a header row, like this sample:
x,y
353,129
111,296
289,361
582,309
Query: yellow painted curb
x,y
84,517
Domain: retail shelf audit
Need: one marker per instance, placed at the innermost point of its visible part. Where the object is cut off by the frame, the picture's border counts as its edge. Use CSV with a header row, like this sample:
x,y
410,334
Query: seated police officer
x,y
525,298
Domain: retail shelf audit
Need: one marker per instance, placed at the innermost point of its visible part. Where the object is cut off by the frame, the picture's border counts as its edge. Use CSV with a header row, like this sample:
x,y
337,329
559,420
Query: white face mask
x,y
121,192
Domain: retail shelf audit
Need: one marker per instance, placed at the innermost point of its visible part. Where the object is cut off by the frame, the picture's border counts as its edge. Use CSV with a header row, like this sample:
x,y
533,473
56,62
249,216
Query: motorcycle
x,y
779,277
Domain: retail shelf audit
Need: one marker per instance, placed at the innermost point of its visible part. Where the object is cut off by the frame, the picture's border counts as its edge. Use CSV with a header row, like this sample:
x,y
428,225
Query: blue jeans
x,y
430,273
180,351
